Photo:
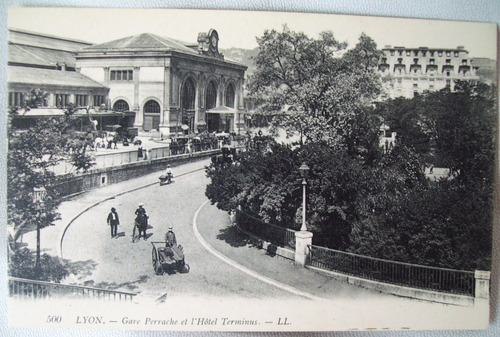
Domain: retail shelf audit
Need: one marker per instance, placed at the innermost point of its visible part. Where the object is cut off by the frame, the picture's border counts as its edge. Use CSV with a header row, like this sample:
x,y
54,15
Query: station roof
x,y
145,41
38,56
40,77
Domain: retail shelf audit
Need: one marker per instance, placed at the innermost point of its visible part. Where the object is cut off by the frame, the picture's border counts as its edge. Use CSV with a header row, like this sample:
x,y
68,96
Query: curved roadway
x,y
222,263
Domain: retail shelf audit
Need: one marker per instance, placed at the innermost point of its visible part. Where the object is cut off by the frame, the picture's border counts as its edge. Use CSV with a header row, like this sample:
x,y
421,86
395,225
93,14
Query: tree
x,y
326,84
35,98
465,120
32,153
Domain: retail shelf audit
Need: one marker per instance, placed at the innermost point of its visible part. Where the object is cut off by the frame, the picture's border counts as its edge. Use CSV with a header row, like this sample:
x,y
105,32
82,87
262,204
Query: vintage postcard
x,y
209,170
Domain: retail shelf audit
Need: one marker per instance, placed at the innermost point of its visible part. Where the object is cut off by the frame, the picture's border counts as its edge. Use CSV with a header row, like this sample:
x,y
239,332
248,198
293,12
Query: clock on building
x,y
214,40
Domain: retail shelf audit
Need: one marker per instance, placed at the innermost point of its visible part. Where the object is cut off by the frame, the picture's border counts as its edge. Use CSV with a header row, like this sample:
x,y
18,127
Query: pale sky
x,y
239,28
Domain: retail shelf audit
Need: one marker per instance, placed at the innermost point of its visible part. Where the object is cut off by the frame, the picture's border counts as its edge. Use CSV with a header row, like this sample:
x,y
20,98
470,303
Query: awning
x,y
222,109
81,112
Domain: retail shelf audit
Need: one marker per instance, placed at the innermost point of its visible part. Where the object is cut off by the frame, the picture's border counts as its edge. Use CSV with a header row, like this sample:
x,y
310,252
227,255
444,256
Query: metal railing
x,y
277,235
404,274
32,289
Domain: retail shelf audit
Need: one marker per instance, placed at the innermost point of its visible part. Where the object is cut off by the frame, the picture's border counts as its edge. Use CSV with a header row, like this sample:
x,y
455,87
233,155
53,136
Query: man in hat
x,y
113,221
170,238
141,220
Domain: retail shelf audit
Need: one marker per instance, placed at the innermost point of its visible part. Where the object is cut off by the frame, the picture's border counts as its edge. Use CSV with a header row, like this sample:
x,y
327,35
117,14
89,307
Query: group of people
x,y
141,222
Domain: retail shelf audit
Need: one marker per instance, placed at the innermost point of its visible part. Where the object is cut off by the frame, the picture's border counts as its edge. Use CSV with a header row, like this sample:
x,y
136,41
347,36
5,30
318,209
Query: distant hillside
x,y
487,71
243,56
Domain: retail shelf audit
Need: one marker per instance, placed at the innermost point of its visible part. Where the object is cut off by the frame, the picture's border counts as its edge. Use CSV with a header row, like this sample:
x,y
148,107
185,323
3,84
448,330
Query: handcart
x,y
167,258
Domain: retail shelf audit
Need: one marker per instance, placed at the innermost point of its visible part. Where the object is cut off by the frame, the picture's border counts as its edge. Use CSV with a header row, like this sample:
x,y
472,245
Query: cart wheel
x,y
134,238
158,268
180,265
154,258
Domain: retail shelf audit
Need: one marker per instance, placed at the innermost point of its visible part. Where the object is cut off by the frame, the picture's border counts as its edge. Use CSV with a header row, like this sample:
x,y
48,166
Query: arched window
x,y
229,96
211,96
188,95
121,105
152,107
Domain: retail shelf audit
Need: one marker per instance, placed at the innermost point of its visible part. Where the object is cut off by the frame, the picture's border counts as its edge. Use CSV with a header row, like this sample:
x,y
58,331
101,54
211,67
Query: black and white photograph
x,y
249,171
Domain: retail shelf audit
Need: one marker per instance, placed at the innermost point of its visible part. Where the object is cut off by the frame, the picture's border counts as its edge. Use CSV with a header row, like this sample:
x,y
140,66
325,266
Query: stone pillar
x,y
51,100
482,287
106,76
197,97
136,89
302,239
165,116
72,99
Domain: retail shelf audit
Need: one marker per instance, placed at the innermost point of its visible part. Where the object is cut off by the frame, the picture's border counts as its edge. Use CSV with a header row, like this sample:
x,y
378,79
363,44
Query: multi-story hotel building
x,y
410,71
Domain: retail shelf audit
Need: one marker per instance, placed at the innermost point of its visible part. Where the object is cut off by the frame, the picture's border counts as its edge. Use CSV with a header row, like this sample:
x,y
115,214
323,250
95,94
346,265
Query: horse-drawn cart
x,y
167,258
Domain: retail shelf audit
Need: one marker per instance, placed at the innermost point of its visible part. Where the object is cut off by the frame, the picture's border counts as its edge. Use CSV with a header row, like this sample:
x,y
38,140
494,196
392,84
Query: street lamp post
x,y
303,238
39,194
304,171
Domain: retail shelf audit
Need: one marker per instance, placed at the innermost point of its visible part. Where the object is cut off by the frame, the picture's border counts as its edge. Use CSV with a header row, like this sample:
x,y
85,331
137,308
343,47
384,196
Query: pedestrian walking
x,y
141,220
170,239
113,221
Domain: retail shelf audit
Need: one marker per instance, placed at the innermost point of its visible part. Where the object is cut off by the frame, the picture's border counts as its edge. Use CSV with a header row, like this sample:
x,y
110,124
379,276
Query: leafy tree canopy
x,y
326,84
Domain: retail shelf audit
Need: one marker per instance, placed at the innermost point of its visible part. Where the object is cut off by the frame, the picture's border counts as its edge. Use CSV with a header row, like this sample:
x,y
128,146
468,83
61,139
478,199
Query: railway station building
x,y
171,86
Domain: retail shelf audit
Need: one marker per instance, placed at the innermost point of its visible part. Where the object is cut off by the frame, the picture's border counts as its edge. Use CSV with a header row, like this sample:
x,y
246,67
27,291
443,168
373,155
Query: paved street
x,y
100,261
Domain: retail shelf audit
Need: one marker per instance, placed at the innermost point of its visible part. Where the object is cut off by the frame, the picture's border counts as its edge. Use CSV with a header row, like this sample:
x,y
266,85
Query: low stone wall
x,y
69,185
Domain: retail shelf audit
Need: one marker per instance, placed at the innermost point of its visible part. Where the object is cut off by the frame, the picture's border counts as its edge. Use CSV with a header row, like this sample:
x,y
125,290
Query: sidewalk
x,y
69,209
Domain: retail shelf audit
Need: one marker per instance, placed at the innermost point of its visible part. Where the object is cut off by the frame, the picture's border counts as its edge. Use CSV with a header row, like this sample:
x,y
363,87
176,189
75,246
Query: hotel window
x,y
415,61
440,53
415,52
448,61
448,53
431,53
98,100
400,60
384,60
16,99
400,53
424,53
121,75
408,53
82,100
448,73
431,61
456,54
392,52
448,83
62,99
464,62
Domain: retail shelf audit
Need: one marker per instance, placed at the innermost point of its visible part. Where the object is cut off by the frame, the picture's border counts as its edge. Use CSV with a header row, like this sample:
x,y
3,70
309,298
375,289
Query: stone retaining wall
x,y
69,185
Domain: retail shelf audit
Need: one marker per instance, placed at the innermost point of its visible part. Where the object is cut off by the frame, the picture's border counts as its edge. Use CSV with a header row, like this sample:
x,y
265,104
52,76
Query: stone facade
x,y
411,71
169,84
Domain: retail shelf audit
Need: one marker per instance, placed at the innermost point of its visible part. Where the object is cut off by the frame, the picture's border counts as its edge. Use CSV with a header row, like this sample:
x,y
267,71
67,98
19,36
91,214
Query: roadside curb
x,y
244,269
